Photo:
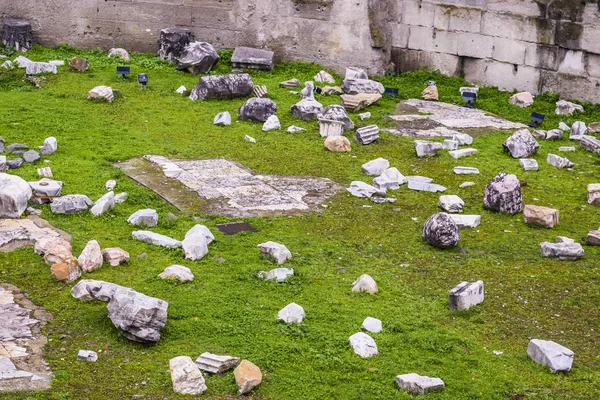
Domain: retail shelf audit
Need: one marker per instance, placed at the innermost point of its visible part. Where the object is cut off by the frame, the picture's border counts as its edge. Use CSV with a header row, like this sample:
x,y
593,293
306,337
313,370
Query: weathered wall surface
x,y
535,45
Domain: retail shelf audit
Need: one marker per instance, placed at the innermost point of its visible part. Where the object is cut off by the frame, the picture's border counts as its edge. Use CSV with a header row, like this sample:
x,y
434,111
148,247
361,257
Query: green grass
x,y
228,310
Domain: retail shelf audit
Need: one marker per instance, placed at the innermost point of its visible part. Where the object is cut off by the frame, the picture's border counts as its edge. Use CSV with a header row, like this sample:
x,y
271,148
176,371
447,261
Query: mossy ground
x,y
228,310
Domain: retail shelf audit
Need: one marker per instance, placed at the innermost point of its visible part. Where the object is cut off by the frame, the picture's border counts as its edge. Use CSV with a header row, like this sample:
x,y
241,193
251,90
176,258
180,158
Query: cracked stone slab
x,y
223,187
18,233
22,367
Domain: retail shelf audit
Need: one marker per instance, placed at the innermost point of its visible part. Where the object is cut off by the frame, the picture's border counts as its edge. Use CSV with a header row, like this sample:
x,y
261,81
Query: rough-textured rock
x,y
355,73
222,87
463,139
363,345
290,84
465,171
425,186
295,129
564,127
248,58
417,384
540,216
363,190
292,313
466,295
358,86
568,148
372,325
521,144
528,164
247,376
172,42
425,148
324,77
331,91
67,271
336,113
450,144
559,162
539,134
222,119
31,156
441,231
567,108
367,135
156,239
364,116
196,241
277,274
462,153
115,256
594,194
178,273
79,64
590,143
101,93
503,194
44,190
257,110
15,163
17,34
145,217
554,134
593,238
87,355
564,249
451,203
110,184
271,124
550,354
91,257
50,146
338,144
186,376
70,204
89,289
216,364
14,195
430,93
36,68
198,58
594,127
260,91
307,109
523,99
328,128
275,251
578,130
365,283
103,204
375,167
391,178
466,221
359,102
119,52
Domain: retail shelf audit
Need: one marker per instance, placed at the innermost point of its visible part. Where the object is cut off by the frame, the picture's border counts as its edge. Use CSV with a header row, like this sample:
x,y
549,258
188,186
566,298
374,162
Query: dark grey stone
x,y
247,58
15,163
256,109
198,58
17,34
441,231
223,87
17,146
172,43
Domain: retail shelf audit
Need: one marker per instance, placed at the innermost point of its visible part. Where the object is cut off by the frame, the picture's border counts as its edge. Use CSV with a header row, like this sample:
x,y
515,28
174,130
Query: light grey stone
x,y
222,119
44,172
466,295
358,86
564,127
120,198
290,84
216,364
355,73
503,194
372,325
550,354
257,110
295,129
417,384
308,92
307,109
15,163
559,162
31,156
249,139
248,58
36,68
463,139
101,93
427,149
22,61
196,241
364,116
466,185
145,217
425,187
201,230
45,190
365,283
523,99
451,203
275,251
466,221
277,274
156,239
363,190
564,107
14,195
7,65
578,130
336,113
593,238
465,171
391,178
450,144
89,289
594,194
376,167
103,204
564,250
186,376
567,148
178,273
367,134
417,178
324,77
528,164
462,153
292,313
590,143
329,128
50,146
110,184
87,355
521,144
441,231
539,134
363,345
271,124
119,52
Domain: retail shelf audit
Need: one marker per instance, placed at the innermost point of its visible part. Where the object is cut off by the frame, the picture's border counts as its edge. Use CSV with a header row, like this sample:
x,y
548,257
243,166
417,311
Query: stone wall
x,y
535,45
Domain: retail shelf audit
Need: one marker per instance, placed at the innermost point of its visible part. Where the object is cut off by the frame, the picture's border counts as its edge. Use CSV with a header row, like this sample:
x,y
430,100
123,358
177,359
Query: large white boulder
x,y
275,251
14,195
363,345
550,354
292,313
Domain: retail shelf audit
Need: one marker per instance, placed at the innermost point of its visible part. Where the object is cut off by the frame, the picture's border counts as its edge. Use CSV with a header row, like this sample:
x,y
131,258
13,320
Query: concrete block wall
x,y
530,45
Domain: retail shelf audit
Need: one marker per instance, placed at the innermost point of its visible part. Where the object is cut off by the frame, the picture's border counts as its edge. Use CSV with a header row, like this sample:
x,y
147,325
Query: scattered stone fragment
x,y
292,313
290,84
119,52
590,143
67,271
363,345
559,162
44,190
295,129
257,110
359,102
451,203
363,190
196,241
462,153
79,64
70,204
372,325
523,99
430,93
275,251
425,148
567,148
564,249
528,164
466,185
338,144
115,256
417,384
50,146
103,204
44,172
521,144
277,274
358,86
539,134
91,257
564,127
17,146
466,295
550,354
355,73
101,93
593,238
332,91
110,184
336,113
223,87
181,90
425,186
120,198
594,194
324,77
465,171
271,124
222,119
554,134
249,139
441,231
260,91
198,58
307,109
156,239
463,139
594,127
330,128
247,376
14,195
31,156
145,217
364,116
178,273
36,68
578,130
567,108
450,144
248,58
503,194
376,167
7,65
186,376
365,283
391,178
87,355
466,221
540,216
216,364
58,63
367,134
